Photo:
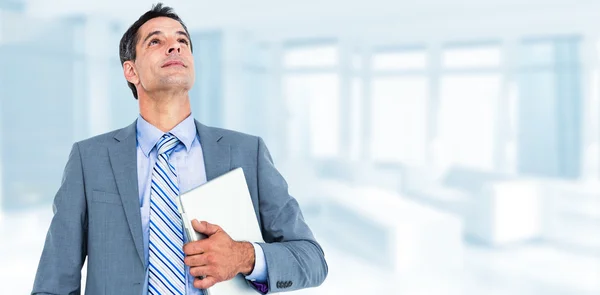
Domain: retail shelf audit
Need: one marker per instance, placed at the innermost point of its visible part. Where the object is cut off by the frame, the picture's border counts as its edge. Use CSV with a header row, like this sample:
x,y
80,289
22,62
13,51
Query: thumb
x,y
204,227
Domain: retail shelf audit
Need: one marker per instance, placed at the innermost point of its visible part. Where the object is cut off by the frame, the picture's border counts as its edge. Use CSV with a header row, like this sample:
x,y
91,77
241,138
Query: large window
x,y
399,95
310,56
469,93
311,89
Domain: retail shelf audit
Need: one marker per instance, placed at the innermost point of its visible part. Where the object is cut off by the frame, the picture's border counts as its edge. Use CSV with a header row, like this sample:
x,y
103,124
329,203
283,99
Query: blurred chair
x,y
571,214
505,212
497,208
387,230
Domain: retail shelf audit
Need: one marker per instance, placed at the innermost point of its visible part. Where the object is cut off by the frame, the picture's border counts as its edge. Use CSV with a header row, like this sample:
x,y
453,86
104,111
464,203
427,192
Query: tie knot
x,y
167,144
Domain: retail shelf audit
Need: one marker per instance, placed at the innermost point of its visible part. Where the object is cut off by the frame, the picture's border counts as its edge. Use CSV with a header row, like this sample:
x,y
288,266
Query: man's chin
x,y
176,81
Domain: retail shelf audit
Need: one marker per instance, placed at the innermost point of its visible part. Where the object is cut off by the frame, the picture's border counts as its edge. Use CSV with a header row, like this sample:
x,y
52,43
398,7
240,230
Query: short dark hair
x,y
131,36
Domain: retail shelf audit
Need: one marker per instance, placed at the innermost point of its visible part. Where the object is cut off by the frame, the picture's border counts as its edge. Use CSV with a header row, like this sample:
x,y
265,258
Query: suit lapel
x,y
123,160
217,160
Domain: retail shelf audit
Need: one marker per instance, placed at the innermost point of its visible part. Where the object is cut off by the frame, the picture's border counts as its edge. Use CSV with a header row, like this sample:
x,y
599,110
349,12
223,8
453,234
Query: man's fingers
x,y
204,227
205,283
198,260
195,248
203,271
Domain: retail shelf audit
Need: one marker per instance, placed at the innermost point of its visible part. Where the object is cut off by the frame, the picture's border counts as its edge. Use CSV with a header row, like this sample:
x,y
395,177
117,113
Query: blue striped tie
x,y
165,255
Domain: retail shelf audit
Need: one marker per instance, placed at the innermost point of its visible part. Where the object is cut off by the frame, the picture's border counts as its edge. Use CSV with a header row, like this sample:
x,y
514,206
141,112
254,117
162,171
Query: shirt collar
x,y
148,135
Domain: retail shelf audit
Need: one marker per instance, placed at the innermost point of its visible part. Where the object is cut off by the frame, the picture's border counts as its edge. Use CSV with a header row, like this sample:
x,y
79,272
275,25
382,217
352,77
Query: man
x,y
115,204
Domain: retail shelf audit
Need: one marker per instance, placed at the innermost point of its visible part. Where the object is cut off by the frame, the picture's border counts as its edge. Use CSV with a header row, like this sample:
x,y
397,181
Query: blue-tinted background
x,y
436,147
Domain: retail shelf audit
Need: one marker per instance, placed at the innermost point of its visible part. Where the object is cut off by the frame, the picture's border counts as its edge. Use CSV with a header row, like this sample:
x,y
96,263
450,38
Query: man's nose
x,y
174,46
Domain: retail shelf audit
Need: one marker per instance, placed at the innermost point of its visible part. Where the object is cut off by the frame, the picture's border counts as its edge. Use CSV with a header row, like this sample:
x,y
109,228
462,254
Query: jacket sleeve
x,y
59,268
295,260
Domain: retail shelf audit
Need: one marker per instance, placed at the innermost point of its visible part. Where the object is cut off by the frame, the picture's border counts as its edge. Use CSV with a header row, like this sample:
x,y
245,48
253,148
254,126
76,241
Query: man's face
x,y
164,61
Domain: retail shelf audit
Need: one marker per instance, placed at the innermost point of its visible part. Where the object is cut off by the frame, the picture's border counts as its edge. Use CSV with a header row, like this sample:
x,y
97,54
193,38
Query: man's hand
x,y
217,258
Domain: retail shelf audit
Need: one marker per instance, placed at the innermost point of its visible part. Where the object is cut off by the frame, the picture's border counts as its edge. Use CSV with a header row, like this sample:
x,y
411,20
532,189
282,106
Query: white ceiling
x,y
203,13
272,17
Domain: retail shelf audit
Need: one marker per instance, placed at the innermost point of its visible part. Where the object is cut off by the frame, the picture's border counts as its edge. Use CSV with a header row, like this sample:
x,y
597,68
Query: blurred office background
x,y
436,147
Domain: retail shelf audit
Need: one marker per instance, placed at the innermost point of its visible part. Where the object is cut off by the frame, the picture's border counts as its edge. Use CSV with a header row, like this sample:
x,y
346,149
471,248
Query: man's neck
x,y
165,112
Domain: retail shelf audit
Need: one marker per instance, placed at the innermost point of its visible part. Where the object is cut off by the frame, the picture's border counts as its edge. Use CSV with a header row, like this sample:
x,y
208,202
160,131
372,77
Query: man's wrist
x,y
248,258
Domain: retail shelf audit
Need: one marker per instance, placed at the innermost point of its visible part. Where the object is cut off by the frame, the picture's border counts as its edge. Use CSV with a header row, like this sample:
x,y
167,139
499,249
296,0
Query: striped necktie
x,y
167,273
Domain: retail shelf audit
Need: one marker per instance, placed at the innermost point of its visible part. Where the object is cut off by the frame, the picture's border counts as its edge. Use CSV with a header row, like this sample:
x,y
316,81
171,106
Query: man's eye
x,y
153,42
184,41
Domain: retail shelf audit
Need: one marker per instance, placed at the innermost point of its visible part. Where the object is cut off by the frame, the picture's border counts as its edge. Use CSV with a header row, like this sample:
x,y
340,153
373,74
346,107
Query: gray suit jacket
x,y
97,215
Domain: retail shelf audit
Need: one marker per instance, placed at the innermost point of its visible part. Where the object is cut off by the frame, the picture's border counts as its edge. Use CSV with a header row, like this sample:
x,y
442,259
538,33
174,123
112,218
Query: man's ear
x,y
130,72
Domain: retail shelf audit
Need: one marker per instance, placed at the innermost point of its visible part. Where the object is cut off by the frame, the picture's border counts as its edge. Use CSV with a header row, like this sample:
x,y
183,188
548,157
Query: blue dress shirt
x,y
188,160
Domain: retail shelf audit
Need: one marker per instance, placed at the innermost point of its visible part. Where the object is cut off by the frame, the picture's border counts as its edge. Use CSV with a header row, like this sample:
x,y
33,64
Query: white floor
x,y
525,270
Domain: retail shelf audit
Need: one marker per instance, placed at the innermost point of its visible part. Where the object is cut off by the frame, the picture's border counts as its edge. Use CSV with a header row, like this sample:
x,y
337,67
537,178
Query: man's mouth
x,y
173,63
